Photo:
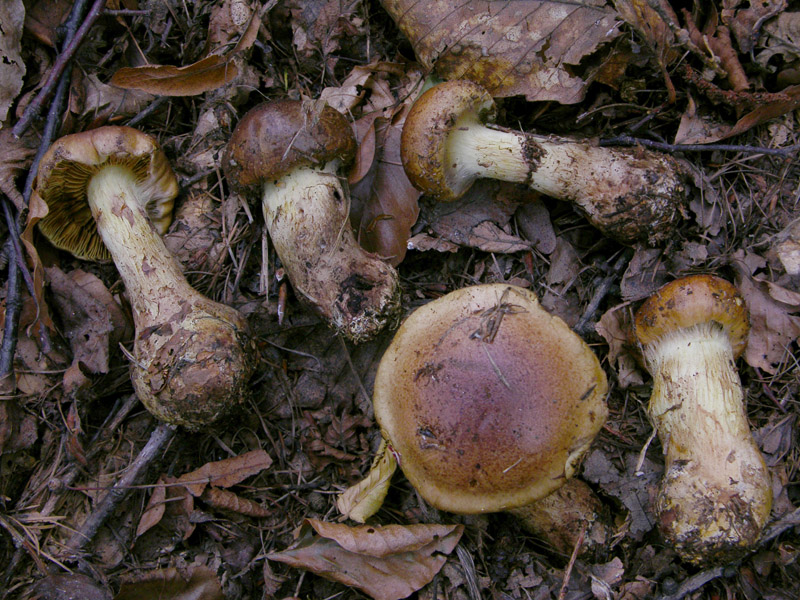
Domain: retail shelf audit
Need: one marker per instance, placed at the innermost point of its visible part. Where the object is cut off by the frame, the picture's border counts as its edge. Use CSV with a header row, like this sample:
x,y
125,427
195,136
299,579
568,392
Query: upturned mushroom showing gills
x,y
110,193
715,496
629,194
289,156
487,401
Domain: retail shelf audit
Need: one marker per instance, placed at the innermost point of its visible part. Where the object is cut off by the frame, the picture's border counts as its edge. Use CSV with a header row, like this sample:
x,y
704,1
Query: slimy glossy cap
x,y
488,400
277,137
68,166
690,301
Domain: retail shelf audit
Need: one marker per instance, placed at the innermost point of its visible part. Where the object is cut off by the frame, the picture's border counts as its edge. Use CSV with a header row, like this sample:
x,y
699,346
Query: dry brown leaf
x,y
227,500
646,272
92,320
194,583
746,23
155,509
774,323
67,586
12,67
520,47
43,17
102,102
208,74
37,209
15,155
697,129
227,472
387,563
170,503
534,221
635,487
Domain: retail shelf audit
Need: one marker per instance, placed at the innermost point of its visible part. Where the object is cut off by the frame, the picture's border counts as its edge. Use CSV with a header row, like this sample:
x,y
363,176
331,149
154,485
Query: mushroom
x,y
487,402
448,143
110,193
289,156
715,496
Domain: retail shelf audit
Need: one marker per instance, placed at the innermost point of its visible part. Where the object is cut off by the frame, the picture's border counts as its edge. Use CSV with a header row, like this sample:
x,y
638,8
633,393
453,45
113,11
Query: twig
x,y
694,583
13,306
626,140
35,107
582,326
568,571
158,440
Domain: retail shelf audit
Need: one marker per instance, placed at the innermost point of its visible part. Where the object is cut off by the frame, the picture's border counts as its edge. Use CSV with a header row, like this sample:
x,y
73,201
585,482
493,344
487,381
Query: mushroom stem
x,y
620,191
449,141
151,274
307,215
190,363
715,496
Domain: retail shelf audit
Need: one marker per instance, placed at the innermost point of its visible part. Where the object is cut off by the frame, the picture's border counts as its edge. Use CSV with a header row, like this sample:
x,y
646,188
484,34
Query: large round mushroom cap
x,y
279,136
487,400
424,140
69,164
690,301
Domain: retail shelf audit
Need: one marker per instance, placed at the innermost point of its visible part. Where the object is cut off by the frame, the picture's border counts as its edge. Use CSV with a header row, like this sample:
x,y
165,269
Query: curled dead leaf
x,y
227,472
387,563
208,74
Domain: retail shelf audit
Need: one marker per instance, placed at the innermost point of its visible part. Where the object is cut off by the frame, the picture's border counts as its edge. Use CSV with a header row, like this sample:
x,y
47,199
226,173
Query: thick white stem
x,y
307,215
628,194
191,364
152,276
715,496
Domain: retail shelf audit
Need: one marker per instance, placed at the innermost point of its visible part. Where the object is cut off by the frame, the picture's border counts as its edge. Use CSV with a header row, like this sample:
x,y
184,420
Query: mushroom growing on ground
x,y
715,496
289,156
110,193
629,194
487,402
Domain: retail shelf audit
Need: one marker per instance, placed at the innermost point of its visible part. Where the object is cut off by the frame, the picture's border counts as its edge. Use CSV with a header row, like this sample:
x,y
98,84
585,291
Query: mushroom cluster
x,y
110,194
487,401
288,155
715,496
448,143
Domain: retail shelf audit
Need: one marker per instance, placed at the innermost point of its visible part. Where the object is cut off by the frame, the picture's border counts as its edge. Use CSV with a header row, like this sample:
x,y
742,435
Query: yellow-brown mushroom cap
x,y
279,136
487,400
423,145
691,301
68,166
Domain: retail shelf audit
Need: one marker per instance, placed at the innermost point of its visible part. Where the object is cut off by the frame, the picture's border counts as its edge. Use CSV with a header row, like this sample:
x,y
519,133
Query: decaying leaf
x,y
520,47
787,248
197,582
105,101
207,74
227,472
387,563
12,67
636,489
171,504
774,322
613,327
15,155
93,321
66,586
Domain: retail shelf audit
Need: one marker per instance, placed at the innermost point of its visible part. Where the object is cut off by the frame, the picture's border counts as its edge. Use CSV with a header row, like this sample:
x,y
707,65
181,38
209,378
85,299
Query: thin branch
x,y
159,439
35,107
13,307
626,140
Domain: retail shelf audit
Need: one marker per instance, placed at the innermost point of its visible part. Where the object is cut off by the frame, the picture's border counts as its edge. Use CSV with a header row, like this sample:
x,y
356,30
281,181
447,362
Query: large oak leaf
x,y
523,47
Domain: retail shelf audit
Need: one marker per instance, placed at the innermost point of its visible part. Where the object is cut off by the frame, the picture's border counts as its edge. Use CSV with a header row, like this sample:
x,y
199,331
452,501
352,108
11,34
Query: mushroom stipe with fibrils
x,y
487,401
287,153
110,193
448,142
715,496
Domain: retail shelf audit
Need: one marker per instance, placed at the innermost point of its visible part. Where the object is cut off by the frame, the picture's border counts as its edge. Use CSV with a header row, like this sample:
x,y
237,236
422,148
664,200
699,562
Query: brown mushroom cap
x,y
691,301
69,164
487,399
423,144
277,137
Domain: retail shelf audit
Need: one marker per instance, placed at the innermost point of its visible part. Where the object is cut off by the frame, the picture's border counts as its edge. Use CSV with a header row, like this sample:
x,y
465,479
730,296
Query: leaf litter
x,y
218,507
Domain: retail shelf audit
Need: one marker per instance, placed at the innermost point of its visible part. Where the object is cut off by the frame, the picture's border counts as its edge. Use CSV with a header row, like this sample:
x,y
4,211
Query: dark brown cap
x,y
424,140
68,166
276,137
487,400
691,301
